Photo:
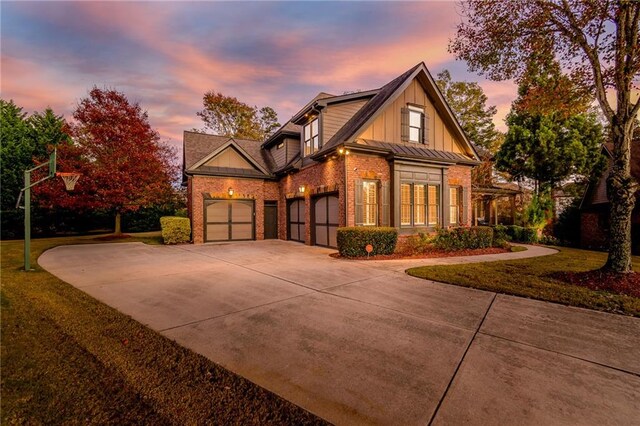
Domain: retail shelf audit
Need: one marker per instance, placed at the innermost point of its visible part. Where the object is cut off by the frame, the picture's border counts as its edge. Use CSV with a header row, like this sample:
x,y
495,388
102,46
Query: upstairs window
x,y
414,124
311,138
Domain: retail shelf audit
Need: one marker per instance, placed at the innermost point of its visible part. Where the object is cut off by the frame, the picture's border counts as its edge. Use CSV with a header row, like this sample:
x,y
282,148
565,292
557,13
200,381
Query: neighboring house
x,y
394,156
594,209
494,203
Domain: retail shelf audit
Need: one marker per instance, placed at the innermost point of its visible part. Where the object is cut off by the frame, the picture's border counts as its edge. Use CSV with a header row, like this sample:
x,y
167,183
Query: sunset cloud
x,y
165,55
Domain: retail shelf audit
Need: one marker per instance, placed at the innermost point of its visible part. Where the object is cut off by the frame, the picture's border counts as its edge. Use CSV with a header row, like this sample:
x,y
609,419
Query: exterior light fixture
x,y
341,151
301,189
346,152
230,192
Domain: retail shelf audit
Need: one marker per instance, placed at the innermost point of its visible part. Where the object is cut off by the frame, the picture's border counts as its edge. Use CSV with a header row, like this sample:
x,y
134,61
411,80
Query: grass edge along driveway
x,y
531,278
68,358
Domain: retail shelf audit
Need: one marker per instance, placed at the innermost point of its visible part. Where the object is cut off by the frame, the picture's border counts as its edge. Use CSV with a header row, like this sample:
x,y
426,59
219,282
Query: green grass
x,y
531,278
67,358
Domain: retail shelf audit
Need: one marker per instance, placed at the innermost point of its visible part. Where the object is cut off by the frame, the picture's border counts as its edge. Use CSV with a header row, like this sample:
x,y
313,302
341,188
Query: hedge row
x,y
352,241
175,229
473,237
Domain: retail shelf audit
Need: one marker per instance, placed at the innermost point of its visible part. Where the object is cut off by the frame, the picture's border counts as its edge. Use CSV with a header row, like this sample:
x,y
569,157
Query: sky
x,y
166,55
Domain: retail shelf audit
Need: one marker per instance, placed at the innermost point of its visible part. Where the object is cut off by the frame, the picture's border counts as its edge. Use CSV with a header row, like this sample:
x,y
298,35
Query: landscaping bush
x,y
461,238
419,243
353,240
175,229
519,234
500,235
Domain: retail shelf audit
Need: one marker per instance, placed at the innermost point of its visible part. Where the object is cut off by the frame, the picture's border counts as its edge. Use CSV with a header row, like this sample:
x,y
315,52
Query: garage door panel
x,y
333,210
241,212
227,220
296,219
326,220
241,231
218,211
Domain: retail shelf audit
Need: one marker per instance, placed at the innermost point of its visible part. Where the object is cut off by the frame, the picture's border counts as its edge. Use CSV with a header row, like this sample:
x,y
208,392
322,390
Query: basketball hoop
x,y
70,179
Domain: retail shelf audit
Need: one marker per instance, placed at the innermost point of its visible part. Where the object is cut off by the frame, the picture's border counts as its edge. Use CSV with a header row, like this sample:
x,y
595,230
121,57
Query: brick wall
x,y
217,187
461,176
363,167
592,233
329,174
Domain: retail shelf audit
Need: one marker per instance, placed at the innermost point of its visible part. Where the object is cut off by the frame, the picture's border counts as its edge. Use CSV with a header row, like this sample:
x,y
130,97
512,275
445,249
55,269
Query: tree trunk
x,y
621,194
118,230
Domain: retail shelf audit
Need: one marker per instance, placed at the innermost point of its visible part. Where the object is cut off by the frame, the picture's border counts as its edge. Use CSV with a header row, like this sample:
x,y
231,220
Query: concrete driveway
x,y
361,342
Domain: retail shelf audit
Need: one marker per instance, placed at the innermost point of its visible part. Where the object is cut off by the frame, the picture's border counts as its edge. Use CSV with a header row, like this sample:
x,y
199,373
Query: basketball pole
x,y
27,204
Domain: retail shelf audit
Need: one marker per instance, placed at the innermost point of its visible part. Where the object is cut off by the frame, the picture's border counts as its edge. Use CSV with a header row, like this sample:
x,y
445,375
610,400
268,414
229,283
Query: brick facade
x,y
318,178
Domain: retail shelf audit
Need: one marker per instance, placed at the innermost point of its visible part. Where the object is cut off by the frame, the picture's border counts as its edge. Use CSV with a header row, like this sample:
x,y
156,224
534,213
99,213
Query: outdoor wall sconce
x,y
342,151
301,189
230,191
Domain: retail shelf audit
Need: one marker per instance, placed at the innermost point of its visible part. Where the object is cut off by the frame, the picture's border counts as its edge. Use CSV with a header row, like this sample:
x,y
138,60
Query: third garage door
x,y
229,220
325,220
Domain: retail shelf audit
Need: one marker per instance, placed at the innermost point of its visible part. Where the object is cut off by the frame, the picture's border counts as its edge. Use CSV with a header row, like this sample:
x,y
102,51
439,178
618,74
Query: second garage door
x,y
229,220
325,221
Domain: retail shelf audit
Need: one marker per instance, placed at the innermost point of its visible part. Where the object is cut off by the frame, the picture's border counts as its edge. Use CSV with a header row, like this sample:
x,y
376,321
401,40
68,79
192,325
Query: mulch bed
x,y
428,254
598,280
112,237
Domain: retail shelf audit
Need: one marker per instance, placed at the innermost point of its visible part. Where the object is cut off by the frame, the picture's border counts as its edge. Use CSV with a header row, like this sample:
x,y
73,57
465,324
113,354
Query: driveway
x,y
362,342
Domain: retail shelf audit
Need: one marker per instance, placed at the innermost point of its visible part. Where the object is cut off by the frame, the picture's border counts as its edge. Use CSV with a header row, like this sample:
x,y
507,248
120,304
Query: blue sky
x,y
166,55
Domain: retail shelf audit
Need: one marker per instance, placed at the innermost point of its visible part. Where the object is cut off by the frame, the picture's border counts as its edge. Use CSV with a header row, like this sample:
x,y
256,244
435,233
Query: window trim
x,y
313,147
420,110
457,205
376,184
428,223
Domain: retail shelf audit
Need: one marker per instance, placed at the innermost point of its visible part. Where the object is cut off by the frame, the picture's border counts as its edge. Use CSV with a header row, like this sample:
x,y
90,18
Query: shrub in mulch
x,y
628,284
427,253
352,241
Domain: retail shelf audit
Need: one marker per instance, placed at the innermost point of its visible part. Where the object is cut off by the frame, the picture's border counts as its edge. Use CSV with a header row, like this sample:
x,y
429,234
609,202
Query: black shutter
x,y
425,129
358,202
385,205
404,124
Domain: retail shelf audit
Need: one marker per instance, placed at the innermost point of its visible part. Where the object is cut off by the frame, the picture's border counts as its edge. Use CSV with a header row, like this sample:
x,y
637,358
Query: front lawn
x,y
67,358
537,278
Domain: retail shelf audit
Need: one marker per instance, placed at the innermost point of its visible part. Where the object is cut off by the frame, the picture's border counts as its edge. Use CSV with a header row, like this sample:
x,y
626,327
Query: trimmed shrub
x,y
519,234
419,243
352,241
500,235
175,229
461,238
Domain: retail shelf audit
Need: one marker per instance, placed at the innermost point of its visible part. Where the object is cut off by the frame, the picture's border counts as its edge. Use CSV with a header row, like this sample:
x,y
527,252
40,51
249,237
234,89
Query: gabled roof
x,y
607,149
384,97
202,147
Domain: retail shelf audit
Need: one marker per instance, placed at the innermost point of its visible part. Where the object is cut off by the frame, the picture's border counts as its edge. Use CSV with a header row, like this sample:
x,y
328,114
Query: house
x,y
594,209
394,156
494,203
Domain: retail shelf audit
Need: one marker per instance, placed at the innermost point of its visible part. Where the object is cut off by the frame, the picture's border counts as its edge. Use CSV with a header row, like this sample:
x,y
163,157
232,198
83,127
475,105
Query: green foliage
x,y
539,211
551,148
352,241
500,236
519,234
175,230
567,227
16,151
227,116
420,242
469,103
463,237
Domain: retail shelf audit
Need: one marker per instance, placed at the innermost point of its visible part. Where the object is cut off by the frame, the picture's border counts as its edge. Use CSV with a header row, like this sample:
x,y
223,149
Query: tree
x,y
16,150
596,42
469,104
123,164
22,139
227,116
550,148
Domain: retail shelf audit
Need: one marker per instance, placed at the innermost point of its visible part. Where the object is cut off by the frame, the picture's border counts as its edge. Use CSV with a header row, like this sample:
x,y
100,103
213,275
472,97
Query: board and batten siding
x,y
292,148
335,116
387,126
279,154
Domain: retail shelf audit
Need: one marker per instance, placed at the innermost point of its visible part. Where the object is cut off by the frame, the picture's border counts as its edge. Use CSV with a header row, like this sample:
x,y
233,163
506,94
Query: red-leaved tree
x,y
123,164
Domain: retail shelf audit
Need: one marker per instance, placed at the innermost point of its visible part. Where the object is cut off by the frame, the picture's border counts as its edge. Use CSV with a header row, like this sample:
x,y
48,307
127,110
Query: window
x,y
455,206
370,202
419,204
415,124
311,138
280,145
